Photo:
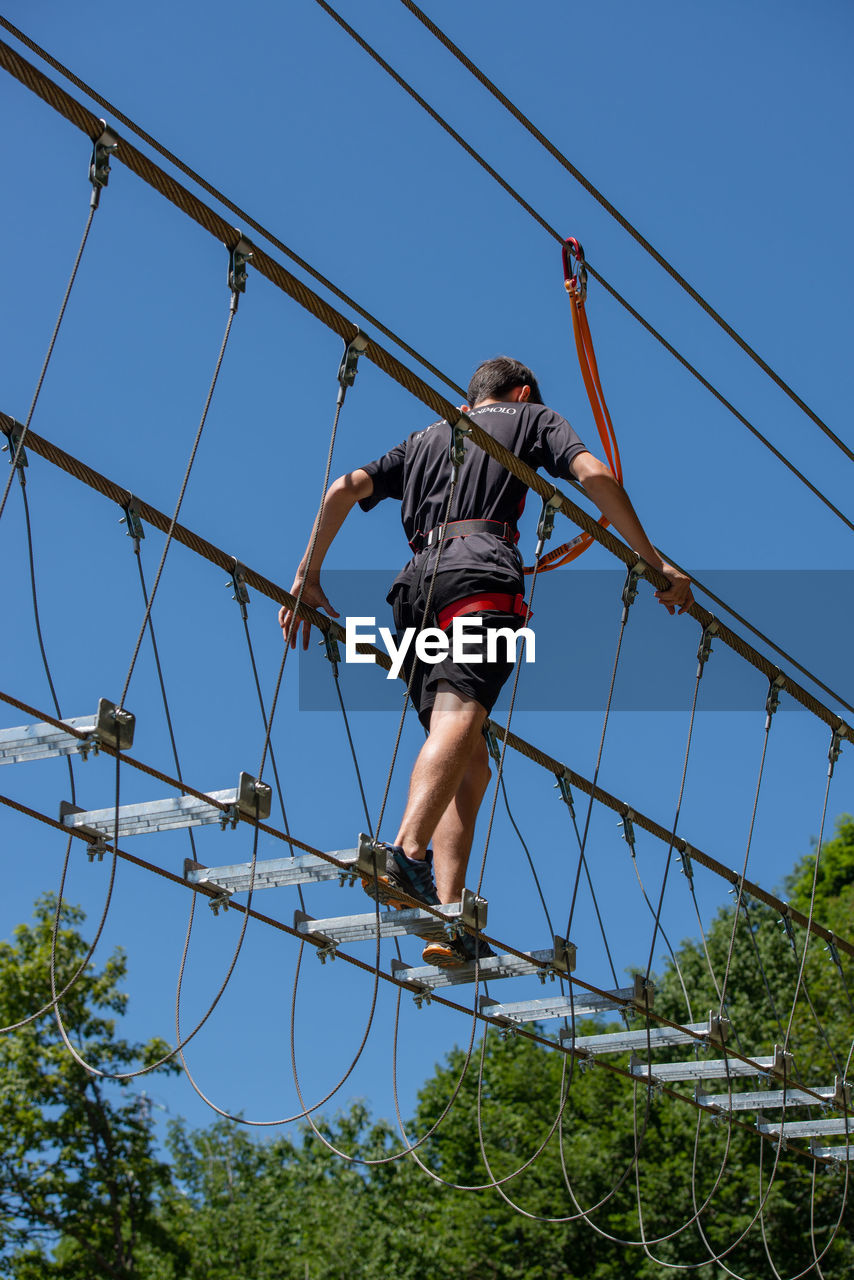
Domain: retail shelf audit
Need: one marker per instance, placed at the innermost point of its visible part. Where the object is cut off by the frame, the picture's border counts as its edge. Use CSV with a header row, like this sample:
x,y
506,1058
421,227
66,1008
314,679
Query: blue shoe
x,y
401,873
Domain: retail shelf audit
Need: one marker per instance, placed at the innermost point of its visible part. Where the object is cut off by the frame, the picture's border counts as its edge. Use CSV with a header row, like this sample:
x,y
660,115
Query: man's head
x,y
495,379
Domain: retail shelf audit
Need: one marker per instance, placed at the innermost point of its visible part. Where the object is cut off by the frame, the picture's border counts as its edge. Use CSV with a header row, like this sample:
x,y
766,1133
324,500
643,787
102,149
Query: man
x,y
479,574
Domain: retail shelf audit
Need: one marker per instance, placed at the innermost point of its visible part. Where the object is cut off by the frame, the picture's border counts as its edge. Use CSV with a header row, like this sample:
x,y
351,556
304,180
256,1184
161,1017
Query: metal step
x,y
174,813
710,1068
394,923
504,966
833,1153
583,1005
765,1099
41,741
628,1041
273,873
809,1128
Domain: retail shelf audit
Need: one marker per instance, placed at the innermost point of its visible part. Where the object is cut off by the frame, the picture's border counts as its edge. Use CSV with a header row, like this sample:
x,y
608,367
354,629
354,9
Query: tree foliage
x,y
80,1176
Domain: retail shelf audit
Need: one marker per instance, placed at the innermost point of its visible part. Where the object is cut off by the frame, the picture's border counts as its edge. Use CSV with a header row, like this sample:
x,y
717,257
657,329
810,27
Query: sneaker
x,y
414,878
453,953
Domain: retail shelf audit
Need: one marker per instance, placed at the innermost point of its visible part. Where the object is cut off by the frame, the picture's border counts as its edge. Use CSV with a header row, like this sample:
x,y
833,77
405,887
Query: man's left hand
x,y
679,594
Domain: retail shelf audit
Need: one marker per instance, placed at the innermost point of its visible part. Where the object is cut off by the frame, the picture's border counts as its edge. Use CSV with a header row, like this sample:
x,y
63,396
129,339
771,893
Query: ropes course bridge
x,y
762,1089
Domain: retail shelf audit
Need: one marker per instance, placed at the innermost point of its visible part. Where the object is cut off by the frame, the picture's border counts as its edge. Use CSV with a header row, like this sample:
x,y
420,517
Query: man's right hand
x,y
313,595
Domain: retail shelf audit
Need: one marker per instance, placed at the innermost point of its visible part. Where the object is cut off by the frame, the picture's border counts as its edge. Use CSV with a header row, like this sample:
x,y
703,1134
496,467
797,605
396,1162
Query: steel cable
x,y
609,208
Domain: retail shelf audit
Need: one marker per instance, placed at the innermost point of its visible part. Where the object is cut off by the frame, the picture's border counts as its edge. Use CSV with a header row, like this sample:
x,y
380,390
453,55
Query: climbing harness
x,y
575,283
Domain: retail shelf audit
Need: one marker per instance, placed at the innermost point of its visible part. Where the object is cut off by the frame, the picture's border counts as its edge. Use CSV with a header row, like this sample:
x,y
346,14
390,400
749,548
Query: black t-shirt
x,y
418,473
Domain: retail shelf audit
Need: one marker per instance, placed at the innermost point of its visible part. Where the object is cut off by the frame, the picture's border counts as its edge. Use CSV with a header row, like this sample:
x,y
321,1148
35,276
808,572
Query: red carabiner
x,y
574,280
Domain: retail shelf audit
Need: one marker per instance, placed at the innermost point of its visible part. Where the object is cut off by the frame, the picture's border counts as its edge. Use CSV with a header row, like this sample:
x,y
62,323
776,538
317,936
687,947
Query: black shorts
x,y
482,680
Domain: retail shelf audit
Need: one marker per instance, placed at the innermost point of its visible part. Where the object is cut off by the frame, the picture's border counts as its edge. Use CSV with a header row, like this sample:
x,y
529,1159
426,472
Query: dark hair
x,y
494,378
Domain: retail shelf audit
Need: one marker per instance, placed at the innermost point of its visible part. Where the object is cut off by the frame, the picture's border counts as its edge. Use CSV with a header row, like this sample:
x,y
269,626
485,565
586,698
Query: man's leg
x,y
446,789
452,839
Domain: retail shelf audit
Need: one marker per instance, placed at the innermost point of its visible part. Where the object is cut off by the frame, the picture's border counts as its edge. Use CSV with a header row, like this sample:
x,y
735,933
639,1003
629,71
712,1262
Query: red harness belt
x,y
488,602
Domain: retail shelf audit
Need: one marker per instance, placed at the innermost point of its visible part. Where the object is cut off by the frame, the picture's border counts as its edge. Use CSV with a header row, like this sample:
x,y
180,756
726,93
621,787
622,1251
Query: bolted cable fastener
x,y
546,522
237,582
772,702
457,446
830,948
103,148
17,454
836,741
563,787
687,864
349,365
333,652
786,922
238,258
133,520
492,744
705,647
628,829
630,588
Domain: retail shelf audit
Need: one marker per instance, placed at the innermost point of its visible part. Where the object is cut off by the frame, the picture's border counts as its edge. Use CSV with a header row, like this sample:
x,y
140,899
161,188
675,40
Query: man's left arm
x,y
613,501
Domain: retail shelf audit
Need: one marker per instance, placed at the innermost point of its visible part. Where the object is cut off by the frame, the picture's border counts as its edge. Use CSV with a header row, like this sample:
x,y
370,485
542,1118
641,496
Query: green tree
x,y
79,1178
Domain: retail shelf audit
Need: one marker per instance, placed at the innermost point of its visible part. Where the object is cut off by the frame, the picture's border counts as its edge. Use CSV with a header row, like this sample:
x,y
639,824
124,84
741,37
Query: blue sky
x,y
722,135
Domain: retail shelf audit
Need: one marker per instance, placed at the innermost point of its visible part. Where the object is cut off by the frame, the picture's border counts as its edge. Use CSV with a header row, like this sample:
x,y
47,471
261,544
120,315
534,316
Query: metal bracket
x,y
705,647
17,455
103,149
97,846
839,735
349,365
841,1094
687,865
132,519
546,522
333,652
114,727
486,1004
254,798
492,745
786,922
371,859
719,1029
643,995
238,258
473,910
422,995
775,688
219,901
237,582
628,829
834,954
630,586
457,447
565,952
783,1062
565,793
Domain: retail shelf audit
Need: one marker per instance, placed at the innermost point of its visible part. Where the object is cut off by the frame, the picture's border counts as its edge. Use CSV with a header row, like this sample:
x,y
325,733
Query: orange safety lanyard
x,y
575,283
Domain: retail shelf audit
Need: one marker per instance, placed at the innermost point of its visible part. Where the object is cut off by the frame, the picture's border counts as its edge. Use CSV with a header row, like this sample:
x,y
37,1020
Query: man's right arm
x,y
341,497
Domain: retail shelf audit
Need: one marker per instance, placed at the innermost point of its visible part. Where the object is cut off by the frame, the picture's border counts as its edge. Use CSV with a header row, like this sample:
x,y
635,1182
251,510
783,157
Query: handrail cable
x,y
614,212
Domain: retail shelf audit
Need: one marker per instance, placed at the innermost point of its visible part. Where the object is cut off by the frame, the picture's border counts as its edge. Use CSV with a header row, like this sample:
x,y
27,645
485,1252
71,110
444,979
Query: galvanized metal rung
x,y
764,1099
505,966
41,741
393,924
833,1153
809,1128
710,1069
273,873
544,1009
174,813
627,1041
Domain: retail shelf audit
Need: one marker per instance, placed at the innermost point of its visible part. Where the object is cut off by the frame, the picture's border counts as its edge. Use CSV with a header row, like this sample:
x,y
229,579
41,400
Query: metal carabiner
x,y
575,282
